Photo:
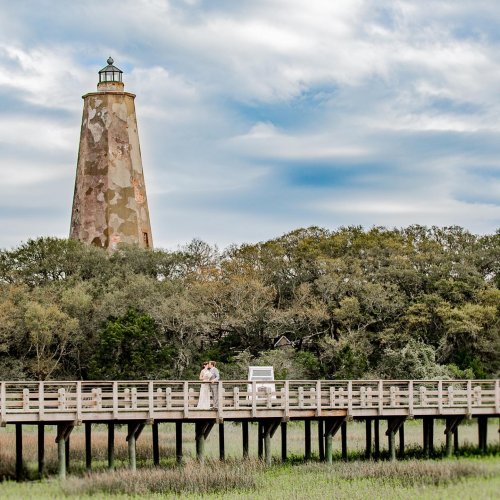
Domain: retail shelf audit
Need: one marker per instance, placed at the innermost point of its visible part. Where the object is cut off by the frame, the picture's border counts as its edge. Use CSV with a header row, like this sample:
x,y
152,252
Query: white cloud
x,y
37,134
229,94
45,76
265,140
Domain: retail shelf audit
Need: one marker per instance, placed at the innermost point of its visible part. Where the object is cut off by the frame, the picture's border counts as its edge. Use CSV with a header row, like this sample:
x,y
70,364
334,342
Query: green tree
x,y
128,348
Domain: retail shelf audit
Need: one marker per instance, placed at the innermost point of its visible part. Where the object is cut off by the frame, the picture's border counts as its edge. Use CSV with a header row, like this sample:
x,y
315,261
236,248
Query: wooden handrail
x,y
157,399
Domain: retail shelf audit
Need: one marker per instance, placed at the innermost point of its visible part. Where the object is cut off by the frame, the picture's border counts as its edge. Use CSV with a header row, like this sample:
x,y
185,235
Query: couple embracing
x,y
209,374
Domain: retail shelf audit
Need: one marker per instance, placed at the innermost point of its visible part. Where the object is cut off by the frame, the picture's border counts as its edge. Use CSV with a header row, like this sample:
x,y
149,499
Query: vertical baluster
x,y
41,401
115,400
236,397
26,399
410,398
151,400
79,401
440,397
380,397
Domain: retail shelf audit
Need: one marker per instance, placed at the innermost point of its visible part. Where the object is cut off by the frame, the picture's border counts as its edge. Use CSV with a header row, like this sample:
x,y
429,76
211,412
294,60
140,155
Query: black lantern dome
x,y
110,73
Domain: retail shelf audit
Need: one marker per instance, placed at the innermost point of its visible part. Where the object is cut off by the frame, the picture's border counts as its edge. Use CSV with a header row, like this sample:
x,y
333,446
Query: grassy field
x,y
466,476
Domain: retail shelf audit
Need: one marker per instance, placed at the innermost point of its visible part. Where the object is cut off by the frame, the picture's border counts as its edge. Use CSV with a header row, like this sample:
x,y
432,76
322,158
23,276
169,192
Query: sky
x,y
257,117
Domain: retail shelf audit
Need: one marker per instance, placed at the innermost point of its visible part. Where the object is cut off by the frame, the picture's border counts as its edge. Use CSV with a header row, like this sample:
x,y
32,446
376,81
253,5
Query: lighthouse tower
x,y
110,206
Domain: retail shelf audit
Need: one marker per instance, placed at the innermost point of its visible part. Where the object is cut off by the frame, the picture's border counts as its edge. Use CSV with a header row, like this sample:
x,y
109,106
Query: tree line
x,y
415,302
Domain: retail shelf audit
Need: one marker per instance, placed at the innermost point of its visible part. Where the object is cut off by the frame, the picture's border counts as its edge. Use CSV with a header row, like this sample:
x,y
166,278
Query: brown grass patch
x,y
409,472
211,476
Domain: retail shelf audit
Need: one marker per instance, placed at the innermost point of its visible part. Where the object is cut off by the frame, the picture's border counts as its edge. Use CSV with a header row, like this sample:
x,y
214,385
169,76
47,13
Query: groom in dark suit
x,y
214,383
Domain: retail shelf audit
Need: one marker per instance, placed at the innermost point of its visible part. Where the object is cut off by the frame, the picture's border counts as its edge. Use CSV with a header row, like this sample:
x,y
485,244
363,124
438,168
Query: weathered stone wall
x,y
110,205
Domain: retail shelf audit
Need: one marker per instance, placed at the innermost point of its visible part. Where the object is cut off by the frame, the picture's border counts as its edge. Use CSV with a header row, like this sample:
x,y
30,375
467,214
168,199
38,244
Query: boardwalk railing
x,y
174,400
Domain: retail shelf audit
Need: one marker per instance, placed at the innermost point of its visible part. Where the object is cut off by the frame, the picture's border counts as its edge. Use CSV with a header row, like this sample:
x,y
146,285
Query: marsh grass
x,y
465,478
406,472
211,476
251,479
239,478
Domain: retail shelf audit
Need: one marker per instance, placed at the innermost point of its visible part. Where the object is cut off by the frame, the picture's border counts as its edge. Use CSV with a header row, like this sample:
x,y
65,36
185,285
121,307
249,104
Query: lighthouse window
x,y
146,239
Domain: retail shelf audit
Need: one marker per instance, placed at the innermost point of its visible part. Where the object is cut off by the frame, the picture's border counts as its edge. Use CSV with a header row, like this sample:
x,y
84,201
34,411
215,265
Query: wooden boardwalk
x,y
329,402
165,400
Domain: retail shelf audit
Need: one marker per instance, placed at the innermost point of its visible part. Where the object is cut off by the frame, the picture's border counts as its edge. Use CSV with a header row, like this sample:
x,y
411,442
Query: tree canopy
x,y
414,302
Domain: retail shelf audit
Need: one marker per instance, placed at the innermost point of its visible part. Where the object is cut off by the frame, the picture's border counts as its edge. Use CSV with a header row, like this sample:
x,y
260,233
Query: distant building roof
x,y
283,341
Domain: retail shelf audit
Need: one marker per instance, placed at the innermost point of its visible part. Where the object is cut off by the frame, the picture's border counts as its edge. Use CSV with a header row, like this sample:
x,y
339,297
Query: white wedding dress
x,y
204,401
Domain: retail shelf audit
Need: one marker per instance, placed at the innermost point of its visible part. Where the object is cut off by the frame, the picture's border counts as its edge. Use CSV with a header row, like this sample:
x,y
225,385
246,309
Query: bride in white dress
x,y
204,401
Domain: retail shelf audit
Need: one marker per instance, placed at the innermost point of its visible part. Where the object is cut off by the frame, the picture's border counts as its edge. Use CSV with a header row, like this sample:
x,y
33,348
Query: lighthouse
x,y
110,206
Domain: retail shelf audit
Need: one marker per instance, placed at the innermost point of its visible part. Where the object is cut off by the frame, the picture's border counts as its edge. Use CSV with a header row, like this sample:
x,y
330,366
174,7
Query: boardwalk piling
x,y
66,453
88,446
368,438
61,457
402,440
41,449
19,452
321,440
431,435
202,430
393,426
392,446
131,449
283,441
222,447
332,425
328,444
428,434
376,433
267,445
200,441
62,440
343,433
244,433
178,442
451,431
260,440
425,436
307,440
134,431
482,423
269,428
111,445
156,444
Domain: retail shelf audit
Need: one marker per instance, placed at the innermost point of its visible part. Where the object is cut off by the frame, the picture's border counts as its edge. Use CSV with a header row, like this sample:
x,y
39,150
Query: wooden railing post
x,y
254,399
410,399
450,395
349,397
41,401
469,398
115,400
301,397
236,397
133,396
392,393
3,398
79,401
440,397
497,396
168,398
220,399
380,397
26,399
318,398
287,399
151,400
185,394
61,398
